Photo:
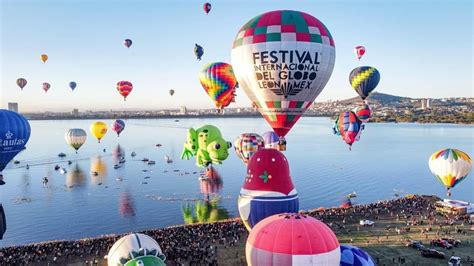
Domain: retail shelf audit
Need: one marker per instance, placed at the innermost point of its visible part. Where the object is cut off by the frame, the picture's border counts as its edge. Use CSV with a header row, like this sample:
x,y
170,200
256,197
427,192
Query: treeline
x,y
458,118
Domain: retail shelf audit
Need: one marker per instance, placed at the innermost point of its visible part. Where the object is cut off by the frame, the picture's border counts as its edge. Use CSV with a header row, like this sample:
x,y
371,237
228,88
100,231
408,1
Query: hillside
x,y
378,98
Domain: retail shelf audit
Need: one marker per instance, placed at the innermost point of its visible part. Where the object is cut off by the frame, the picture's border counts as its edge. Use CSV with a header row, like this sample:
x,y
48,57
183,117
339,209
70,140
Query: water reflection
x,y
98,170
127,205
118,152
211,182
204,212
75,178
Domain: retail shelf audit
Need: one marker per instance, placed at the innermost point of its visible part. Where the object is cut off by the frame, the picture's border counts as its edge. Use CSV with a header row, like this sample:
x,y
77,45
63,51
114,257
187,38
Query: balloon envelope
x,y
137,248
364,80
282,60
198,51
246,145
363,112
98,130
3,222
72,85
359,51
118,126
76,137
219,82
124,88
354,256
127,43
450,166
350,127
44,58
292,239
46,86
171,92
21,82
207,7
14,134
268,188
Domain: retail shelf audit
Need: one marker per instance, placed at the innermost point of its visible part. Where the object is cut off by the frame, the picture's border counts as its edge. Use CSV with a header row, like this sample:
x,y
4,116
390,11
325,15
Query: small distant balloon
x,y
359,51
207,7
219,82
72,85
44,58
364,80
118,126
363,112
124,88
450,166
127,43
46,86
21,82
198,51
171,92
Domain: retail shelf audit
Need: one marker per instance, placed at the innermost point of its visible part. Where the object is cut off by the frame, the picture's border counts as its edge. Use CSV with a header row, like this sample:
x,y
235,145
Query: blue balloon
x,y
354,256
14,134
72,85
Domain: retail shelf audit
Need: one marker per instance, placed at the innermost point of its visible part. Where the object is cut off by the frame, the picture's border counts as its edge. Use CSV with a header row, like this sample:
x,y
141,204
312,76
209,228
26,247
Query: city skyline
x,y
418,54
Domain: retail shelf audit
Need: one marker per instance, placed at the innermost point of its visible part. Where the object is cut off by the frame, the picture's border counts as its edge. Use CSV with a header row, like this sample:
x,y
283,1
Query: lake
x,y
389,159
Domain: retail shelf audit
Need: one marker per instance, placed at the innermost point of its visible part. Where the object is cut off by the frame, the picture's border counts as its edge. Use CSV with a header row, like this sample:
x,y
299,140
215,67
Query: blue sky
x,y
421,48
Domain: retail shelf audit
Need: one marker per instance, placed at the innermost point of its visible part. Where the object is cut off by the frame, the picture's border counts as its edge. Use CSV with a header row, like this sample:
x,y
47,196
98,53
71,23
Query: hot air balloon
x,y
198,51
207,7
363,112
76,137
72,85
171,92
219,82
118,126
21,82
127,43
136,249
268,188
14,134
124,88
354,256
364,79
450,166
350,127
292,239
282,60
44,58
272,141
335,127
46,86
359,51
247,145
98,130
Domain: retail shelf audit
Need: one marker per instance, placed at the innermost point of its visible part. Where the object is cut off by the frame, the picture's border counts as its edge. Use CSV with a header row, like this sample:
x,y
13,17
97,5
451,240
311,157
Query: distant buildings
x,y
75,112
183,110
13,107
425,104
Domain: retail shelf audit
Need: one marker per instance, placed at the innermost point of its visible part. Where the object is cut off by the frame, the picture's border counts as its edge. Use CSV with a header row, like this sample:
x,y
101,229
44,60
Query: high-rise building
x,y
75,112
423,104
183,110
13,107
428,104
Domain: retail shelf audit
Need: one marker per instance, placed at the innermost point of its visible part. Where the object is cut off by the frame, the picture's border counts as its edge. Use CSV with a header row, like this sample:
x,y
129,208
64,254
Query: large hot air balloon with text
x,y
14,134
450,166
124,88
219,82
21,82
364,80
75,137
292,239
283,60
350,127
268,188
136,250
98,130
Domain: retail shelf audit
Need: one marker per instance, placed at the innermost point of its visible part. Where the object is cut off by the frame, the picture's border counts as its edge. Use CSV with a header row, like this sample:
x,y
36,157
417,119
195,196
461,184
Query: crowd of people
x,y
198,244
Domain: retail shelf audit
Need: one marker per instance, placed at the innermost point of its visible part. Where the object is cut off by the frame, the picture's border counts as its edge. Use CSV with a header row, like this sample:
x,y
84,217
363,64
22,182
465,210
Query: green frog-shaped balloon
x,y
207,144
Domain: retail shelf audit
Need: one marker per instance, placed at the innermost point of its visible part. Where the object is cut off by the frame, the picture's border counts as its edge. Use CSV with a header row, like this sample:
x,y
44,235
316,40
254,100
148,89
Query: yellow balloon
x,y
98,130
44,58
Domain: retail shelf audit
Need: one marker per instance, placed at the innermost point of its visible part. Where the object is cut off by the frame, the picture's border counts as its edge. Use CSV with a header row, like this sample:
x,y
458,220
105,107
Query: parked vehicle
x,y
418,245
452,241
454,261
366,222
432,253
441,243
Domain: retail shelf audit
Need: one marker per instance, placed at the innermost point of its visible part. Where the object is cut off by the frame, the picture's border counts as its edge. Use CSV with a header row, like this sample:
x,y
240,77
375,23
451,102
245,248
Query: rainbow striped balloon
x,y
450,166
219,82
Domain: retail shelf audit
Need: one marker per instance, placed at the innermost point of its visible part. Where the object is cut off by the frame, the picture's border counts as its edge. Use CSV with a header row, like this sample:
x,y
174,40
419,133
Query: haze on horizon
x,y
421,48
